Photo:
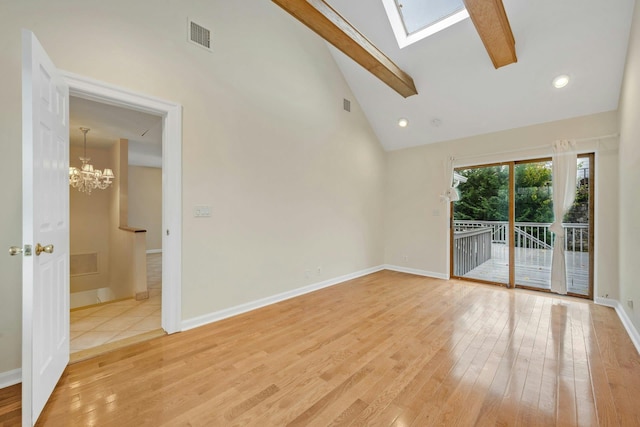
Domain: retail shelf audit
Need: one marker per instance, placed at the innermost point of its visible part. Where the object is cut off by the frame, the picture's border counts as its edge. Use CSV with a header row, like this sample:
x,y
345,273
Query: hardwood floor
x,y
388,349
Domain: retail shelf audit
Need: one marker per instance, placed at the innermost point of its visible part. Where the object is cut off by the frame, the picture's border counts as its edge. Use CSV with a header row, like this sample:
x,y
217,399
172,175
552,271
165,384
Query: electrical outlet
x,y
405,258
630,303
307,274
319,271
202,211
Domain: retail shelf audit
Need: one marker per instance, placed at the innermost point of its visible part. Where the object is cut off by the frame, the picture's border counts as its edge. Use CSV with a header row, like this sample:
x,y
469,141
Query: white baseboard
x,y
624,318
606,302
90,297
243,308
10,378
154,251
416,272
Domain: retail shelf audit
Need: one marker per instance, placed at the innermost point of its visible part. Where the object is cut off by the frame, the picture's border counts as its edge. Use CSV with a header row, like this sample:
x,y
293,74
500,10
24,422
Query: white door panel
x,y
45,144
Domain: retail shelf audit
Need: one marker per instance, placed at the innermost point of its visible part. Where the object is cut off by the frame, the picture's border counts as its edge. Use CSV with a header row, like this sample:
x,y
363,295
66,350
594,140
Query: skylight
x,y
413,20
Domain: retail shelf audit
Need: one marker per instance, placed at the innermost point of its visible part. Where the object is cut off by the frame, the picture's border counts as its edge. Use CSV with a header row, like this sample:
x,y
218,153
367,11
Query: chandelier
x,y
86,178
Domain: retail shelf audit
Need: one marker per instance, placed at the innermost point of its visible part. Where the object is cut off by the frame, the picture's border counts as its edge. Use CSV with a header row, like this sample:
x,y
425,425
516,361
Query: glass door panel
x,y
481,224
578,232
533,242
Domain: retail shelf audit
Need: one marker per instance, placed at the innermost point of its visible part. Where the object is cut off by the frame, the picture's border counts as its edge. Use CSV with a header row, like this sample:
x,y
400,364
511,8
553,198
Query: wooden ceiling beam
x,y
331,26
492,24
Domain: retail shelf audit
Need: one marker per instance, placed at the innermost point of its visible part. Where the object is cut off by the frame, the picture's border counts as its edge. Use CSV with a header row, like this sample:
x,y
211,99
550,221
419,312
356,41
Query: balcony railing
x,y
531,235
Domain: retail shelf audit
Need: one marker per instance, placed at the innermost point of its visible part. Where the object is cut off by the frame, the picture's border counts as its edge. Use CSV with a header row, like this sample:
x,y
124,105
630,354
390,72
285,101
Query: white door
x,y
45,195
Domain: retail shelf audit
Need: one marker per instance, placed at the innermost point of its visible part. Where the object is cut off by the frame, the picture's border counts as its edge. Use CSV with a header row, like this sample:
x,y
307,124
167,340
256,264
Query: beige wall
x,y
629,176
294,182
11,217
89,221
145,203
416,220
123,242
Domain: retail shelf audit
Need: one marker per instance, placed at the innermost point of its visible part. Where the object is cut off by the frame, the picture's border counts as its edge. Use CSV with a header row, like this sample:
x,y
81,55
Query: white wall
x,y
294,181
629,176
89,222
145,203
122,239
416,220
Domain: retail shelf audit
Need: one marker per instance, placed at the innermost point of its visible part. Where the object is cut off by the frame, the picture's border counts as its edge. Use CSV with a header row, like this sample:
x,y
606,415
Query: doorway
x,y
115,272
500,226
171,116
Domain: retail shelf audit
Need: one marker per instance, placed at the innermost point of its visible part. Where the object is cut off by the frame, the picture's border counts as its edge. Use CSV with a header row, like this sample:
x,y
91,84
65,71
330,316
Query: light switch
x,y
202,211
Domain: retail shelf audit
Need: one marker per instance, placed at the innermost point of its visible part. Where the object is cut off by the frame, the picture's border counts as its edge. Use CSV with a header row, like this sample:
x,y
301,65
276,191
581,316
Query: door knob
x,y
46,249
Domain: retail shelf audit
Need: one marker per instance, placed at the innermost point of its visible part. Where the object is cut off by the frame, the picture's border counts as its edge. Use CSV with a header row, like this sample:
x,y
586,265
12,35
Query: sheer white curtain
x,y
451,193
564,193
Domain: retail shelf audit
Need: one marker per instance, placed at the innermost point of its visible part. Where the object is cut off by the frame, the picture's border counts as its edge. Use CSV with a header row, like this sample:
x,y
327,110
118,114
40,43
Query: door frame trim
x,y
171,113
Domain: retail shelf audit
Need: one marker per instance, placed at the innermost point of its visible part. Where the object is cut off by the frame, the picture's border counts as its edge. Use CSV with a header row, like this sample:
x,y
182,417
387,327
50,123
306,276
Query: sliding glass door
x,y
500,226
481,225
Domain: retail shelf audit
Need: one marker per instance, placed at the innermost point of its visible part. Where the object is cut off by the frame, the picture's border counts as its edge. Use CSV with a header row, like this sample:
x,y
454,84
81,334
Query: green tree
x,y
533,196
485,195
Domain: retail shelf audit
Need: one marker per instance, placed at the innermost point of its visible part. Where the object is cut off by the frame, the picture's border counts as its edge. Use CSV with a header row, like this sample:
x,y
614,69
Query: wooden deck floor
x,y
388,349
533,268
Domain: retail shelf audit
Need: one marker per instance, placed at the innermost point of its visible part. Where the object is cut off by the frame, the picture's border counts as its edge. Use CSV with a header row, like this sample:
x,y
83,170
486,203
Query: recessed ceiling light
x,y
561,81
403,123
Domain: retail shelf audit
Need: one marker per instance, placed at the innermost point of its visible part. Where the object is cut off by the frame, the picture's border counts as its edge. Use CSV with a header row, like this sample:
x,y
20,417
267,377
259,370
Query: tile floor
x,y
103,324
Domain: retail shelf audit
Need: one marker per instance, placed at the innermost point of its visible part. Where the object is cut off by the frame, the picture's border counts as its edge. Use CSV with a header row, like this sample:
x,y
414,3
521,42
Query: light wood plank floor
x,y
388,349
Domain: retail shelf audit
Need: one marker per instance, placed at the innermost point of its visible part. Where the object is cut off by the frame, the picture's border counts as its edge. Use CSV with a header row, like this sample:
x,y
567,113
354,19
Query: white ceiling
x,y
460,94
459,89
109,123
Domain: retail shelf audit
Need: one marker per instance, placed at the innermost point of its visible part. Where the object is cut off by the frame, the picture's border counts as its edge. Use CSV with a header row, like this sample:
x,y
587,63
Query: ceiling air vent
x,y
199,35
346,104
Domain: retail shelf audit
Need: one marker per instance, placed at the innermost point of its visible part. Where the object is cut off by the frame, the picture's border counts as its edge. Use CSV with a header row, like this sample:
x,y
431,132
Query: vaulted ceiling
x,y
461,94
